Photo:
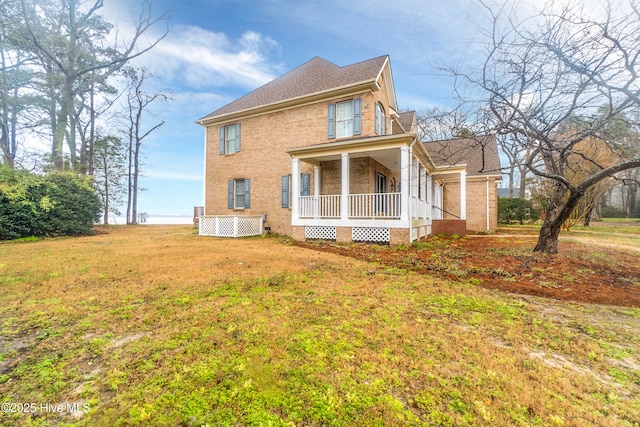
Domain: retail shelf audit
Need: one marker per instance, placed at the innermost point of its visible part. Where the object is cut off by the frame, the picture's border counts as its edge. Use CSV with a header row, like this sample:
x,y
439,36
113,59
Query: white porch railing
x,y
320,206
378,205
230,226
362,206
419,208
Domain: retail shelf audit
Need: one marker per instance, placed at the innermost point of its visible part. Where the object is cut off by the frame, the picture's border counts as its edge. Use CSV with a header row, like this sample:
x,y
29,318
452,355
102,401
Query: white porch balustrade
x,y
419,208
378,205
360,206
320,206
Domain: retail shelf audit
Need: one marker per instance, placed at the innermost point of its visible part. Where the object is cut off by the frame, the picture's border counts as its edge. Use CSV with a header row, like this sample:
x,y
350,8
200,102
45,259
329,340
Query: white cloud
x,y
199,58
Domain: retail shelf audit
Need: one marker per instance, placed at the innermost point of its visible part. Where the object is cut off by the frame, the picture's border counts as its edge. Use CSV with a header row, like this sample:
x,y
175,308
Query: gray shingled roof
x,y
406,120
315,75
480,154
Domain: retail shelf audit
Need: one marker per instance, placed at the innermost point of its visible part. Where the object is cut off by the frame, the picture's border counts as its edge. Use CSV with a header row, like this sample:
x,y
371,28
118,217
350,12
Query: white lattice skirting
x,y
230,226
320,232
371,234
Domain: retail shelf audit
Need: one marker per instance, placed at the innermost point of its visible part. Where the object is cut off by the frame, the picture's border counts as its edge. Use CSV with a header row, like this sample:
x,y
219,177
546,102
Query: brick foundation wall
x,y
399,236
449,227
297,233
343,234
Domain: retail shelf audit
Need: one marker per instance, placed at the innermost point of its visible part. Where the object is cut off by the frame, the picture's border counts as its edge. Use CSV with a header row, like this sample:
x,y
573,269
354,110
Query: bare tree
x,y
138,104
110,171
70,40
541,75
14,79
437,124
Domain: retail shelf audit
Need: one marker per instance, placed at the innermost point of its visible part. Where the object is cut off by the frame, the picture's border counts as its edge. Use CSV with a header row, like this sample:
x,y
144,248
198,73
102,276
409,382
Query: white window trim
x,y
380,119
235,194
348,121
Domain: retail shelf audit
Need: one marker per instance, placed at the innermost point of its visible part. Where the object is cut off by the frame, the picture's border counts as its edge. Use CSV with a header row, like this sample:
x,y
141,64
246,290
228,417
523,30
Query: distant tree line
x,y
66,79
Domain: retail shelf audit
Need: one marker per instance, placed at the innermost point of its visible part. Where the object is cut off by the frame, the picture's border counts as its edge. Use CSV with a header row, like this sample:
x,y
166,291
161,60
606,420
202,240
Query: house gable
x,y
312,82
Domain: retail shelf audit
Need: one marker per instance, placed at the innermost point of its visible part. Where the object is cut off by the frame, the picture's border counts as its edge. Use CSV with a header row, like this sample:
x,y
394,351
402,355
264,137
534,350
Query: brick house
x,y
323,152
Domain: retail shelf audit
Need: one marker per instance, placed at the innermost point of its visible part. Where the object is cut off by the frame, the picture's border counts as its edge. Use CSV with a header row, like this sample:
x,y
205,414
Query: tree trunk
x,y
548,238
92,130
557,212
106,193
4,143
588,215
130,178
58,141
136,174
631,203
511,179
523,183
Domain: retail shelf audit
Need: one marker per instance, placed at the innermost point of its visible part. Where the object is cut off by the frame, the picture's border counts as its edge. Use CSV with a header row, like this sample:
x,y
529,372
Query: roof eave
x,y
351,89
363,144
351,144
391,91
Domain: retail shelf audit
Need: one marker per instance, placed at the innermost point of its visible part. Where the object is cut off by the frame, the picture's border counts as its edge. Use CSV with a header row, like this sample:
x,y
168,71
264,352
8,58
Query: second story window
x,y
380,120
229,139
345,119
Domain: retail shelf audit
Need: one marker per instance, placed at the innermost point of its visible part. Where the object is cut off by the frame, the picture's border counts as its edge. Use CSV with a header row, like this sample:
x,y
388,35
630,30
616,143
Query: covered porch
x,y
371,189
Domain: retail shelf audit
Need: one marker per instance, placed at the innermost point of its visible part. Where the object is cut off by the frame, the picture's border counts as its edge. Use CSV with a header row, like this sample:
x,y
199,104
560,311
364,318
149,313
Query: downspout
x,y
487,203
410,180
204,179
410,185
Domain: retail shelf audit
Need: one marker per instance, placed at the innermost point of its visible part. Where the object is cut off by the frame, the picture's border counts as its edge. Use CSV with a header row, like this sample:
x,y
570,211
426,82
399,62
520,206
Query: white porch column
x,y
316,180
423,183
422,174
295,190
415,175
405,182
344,199
463,195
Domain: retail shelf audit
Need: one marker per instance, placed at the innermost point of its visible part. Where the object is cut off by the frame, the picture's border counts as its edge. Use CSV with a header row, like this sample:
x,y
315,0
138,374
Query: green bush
x,y
611,212
51,205
513,209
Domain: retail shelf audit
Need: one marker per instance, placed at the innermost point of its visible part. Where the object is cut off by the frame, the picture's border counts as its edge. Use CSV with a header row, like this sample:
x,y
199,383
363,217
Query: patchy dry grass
x,y
158,326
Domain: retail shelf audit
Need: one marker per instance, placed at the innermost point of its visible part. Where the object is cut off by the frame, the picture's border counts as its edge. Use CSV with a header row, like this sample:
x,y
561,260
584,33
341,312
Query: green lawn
x,y
158,326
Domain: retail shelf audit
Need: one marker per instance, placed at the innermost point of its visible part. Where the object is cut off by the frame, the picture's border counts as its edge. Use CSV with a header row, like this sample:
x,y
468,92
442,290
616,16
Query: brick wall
x,y
362,176
449,227
262,158
399,236
476,203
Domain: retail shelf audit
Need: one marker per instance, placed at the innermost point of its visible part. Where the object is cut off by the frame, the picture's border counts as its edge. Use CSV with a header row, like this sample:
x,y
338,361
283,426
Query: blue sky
x,y
219,50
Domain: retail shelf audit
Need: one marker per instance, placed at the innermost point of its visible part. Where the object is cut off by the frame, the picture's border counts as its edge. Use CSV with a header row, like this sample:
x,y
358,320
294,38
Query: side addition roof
x,y
315,77
407,121
480,154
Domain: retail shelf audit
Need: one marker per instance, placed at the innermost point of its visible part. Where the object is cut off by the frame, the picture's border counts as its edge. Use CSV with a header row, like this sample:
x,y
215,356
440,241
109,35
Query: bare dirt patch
x,y
580,272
